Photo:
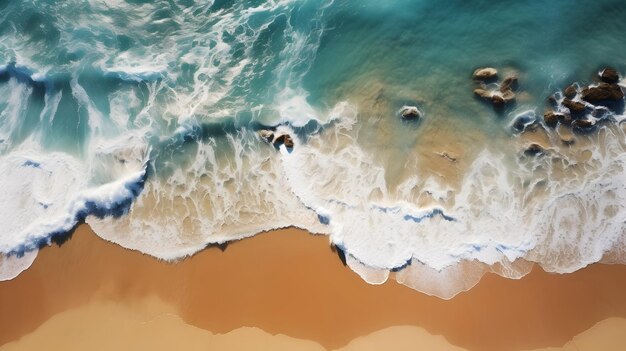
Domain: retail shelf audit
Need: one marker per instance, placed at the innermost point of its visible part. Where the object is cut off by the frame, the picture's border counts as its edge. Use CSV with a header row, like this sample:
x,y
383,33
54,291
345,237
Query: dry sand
x,y
289,282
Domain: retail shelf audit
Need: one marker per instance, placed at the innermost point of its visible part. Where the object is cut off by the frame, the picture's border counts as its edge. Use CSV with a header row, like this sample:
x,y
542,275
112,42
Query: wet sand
x,y
289,282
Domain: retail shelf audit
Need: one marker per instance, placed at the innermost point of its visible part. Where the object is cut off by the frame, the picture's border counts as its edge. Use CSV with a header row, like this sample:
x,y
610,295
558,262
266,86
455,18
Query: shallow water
x,y
141,118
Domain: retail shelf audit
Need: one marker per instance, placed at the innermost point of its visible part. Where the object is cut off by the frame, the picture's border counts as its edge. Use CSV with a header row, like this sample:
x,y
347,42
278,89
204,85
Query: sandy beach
x,y
290,284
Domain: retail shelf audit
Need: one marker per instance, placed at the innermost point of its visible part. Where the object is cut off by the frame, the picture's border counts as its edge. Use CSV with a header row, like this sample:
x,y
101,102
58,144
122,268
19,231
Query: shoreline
x,y
290,282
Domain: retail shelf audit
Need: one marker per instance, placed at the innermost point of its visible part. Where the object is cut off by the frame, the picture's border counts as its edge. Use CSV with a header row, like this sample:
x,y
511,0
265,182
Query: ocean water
x,y
142,119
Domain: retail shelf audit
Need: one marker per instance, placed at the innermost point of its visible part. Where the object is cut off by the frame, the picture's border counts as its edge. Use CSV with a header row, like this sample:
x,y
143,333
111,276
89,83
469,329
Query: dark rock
x,y
551,118
410,112
266,135
583,124
284,139
553,100
565,119
509,84
609,75
534,150
486,73
601,112
602,92
575,107
570,92
498,101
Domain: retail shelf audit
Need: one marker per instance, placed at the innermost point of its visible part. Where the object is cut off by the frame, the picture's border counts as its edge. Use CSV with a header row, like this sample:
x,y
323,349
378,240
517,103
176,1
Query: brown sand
x,y
289,282
147,325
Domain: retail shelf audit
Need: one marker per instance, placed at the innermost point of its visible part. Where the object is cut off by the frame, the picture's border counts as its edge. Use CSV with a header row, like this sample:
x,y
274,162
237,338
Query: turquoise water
x,y
142,117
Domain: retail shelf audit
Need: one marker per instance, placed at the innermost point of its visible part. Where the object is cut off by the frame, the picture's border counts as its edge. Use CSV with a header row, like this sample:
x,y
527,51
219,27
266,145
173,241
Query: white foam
x,y
295,110
497,219
41,189
215,198
50,192
371,275
12,266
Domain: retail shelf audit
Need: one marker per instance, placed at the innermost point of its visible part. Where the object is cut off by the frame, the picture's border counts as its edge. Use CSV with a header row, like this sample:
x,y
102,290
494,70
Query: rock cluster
x,y
271,137
582,107
500,97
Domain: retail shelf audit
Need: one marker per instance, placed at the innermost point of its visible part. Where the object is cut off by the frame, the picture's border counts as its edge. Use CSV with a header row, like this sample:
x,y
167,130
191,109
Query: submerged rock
x,y
602,92
523,121
553,100
601,112
565,134
583,125
609,75
410,112
534,150
486,73
482,93
570,92
266,135
567,139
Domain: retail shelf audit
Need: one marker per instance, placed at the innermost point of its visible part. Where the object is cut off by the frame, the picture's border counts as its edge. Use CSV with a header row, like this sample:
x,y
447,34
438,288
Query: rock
x,y
609,75
575,107
508,96
410,112
497,101
486,73
482,93
583,124
284,139
570,92
266,135
567,139
523,121
534,150
509,84
551,118
601,112
564,118
602,92
288,141
553,100
565,134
